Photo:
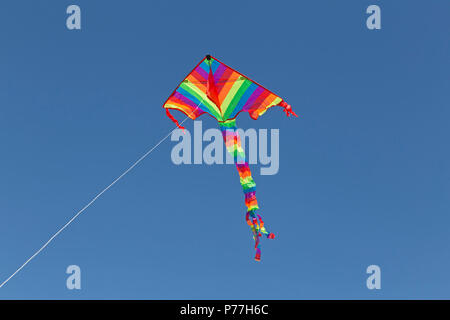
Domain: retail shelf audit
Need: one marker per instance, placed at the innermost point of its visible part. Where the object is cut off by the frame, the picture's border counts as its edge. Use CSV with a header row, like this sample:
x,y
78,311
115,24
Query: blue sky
x,y
364,172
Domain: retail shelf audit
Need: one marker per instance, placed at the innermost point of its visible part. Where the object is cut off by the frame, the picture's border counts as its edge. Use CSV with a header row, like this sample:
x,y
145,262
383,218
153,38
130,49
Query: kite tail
x,y
233,145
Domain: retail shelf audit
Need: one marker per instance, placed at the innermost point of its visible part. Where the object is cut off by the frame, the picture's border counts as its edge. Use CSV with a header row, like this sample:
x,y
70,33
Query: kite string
x,y
94,199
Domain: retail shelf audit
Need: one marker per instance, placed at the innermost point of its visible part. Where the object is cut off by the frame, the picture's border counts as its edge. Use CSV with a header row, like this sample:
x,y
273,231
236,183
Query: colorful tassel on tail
x,y
233,144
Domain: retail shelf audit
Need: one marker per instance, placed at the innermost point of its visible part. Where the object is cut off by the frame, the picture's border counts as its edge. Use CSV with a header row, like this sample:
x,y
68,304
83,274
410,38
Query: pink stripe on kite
x,y
255,95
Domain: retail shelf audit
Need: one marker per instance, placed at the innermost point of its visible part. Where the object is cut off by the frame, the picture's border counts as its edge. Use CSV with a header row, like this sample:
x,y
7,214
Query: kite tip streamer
x,y
287,109
174,120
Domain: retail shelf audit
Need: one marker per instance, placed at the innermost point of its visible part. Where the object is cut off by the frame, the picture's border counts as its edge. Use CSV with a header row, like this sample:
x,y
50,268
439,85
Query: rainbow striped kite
x,y
222,92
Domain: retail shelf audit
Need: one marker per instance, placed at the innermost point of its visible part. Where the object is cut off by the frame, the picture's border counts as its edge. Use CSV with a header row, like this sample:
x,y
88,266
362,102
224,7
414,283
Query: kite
x,y
220,91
